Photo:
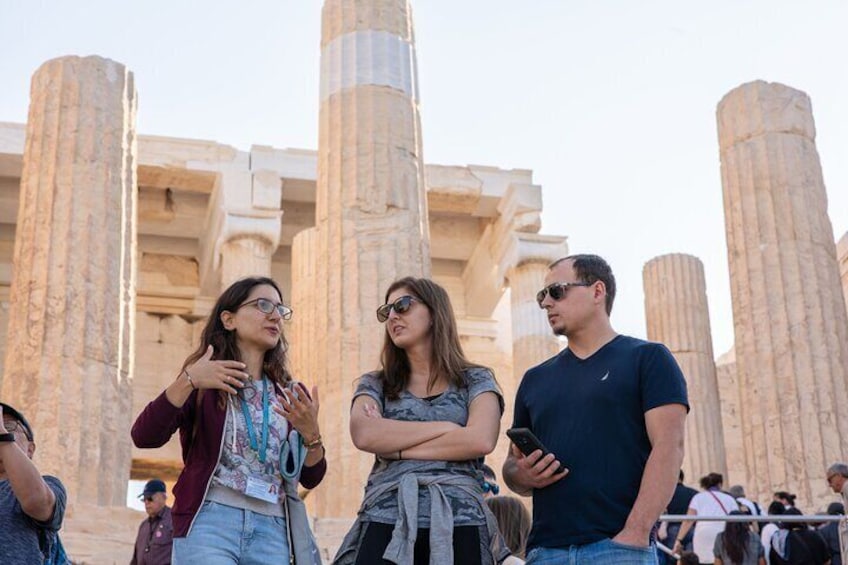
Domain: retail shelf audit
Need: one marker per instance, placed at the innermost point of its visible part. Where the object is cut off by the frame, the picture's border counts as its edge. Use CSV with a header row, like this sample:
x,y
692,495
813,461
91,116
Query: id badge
x,y
262,489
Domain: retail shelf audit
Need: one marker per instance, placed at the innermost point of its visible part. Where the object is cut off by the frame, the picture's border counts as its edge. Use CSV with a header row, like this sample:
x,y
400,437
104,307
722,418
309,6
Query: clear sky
x,y
610,103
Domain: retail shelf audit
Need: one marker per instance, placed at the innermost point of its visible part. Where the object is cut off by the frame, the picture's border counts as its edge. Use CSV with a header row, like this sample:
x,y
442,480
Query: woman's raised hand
x,y
225,375
300,408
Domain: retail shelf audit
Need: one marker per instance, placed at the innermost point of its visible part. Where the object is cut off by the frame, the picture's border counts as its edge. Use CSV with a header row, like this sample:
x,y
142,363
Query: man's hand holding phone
x,y
535,466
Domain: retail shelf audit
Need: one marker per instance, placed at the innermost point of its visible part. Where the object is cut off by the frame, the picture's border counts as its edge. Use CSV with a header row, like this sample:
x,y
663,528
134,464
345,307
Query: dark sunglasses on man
x,y
557,291
401,306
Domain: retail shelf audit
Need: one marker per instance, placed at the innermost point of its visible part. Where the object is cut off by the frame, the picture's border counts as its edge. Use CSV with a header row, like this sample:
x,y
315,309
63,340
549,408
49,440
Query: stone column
x,y
677,316
72,319
788,310
371,218
731,423
842,258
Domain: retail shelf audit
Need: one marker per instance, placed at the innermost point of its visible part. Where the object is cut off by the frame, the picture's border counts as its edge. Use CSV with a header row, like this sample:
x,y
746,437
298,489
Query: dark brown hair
x,y
734,538
591,269
448,360
513,522
224,340
711,480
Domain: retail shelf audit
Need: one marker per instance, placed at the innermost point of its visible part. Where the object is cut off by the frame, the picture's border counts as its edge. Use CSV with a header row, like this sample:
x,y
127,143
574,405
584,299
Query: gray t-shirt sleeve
x,y
54,523
369,384
482,380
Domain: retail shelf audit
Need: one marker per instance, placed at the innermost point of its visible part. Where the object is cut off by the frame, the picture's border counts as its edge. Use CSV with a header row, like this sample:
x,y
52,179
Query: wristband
x,y
314,443
191,382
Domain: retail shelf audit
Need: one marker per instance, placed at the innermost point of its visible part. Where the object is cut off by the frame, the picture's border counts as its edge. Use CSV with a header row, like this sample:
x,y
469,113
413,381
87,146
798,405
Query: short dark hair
x,y
8,410
689,558
591,269
711,480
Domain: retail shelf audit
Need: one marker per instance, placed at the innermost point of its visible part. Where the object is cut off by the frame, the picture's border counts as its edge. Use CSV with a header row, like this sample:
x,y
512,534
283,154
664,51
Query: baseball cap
x,y
153,486
8,410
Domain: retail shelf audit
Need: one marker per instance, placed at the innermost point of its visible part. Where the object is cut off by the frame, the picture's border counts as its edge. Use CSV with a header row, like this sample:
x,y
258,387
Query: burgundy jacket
x,y
158,422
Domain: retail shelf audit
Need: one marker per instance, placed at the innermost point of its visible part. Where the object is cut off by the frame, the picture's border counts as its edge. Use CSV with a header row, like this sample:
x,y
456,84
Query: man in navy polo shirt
x,y
611,409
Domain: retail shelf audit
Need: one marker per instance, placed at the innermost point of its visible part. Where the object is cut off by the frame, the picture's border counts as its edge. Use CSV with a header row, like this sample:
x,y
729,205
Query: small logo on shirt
x,y
606,376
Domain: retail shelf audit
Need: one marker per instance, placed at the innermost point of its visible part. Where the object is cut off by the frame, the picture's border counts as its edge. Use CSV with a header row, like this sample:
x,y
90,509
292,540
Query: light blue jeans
x,y
604,552
224,535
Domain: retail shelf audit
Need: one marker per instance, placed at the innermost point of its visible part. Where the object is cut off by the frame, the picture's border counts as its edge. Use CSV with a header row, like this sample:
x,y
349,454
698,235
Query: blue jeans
x,y
224,535
604,552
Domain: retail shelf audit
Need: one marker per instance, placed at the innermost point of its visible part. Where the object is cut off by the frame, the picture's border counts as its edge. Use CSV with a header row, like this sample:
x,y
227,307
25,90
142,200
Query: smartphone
x,y
527,443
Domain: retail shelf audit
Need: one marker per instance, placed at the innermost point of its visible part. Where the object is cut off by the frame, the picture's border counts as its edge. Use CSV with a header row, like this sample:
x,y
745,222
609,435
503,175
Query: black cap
x,y
153,486
20,418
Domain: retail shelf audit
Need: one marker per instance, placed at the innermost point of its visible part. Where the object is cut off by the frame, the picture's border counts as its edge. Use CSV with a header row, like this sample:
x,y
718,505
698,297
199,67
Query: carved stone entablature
x,y
244,205
506,242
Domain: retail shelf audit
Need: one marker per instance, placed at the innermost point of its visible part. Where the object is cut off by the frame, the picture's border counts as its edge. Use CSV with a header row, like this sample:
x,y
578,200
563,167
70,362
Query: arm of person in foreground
x,y
384,435
524,473
476,439
36,498
665,426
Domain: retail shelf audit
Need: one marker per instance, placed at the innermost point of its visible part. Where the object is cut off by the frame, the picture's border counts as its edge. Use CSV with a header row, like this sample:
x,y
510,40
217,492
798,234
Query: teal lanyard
x,y
251,433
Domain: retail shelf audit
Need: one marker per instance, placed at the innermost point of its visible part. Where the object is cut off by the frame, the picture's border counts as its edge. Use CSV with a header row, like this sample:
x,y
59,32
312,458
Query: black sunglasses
x,y
557,291
266,307
401,306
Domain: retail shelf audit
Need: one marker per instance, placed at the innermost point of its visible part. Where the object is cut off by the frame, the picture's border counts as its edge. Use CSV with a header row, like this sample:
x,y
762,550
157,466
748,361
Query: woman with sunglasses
x,y
430,416
248,436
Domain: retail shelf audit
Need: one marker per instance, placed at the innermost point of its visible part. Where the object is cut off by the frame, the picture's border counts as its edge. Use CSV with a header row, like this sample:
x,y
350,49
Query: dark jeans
x,y
466,545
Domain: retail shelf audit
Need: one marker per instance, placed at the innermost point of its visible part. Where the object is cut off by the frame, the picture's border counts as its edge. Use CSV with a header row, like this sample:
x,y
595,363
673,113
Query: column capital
x,y
508,241
244,204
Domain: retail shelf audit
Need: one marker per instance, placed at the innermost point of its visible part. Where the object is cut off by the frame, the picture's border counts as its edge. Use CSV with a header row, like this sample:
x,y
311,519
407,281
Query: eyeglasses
x,y
148,498
266,307
557,291
491,487
16,426
401,306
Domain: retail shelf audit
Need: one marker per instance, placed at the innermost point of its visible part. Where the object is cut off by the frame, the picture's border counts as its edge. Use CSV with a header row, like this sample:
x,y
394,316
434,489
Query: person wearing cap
x,y
738,492
32,505
156,533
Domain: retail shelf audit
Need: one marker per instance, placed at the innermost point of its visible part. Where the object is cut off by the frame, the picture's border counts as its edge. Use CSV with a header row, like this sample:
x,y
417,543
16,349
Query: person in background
x,y
830,532
514,524
738,544
32,505
678,505
710,502
837,480
490,483
768,529
796,544
738,492
156,532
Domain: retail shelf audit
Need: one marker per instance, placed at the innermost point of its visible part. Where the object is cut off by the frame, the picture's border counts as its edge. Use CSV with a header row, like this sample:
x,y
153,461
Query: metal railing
x,y
815,519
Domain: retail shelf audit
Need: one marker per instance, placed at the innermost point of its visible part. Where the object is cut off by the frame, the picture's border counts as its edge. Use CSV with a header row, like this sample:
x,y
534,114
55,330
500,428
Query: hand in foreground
x,y
535,471
225,375
300,409
631,537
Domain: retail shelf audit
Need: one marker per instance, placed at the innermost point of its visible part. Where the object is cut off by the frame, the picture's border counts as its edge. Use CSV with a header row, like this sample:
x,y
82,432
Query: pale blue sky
x,y
612,104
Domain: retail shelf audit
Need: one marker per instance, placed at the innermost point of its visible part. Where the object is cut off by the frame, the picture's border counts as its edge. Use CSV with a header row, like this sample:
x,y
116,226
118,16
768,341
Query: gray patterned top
x,y
450,406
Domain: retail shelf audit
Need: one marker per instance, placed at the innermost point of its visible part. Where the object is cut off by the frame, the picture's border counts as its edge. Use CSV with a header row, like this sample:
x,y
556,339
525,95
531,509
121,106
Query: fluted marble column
x,y
842,258
677,315
788,309
371,218
69,352
731,423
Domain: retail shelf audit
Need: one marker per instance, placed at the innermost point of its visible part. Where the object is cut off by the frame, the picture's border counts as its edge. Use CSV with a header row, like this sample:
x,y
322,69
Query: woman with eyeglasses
x,y
430,416
248,434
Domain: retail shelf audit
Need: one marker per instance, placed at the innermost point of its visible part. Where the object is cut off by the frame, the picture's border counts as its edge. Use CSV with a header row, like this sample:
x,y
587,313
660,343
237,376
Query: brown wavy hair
x,y
274,364
513,522
448,361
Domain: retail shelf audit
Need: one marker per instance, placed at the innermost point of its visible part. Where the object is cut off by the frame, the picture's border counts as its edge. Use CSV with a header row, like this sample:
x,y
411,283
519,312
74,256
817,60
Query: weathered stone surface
x,y
788,310
677,315
371,220
842,258
731,422
70,351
